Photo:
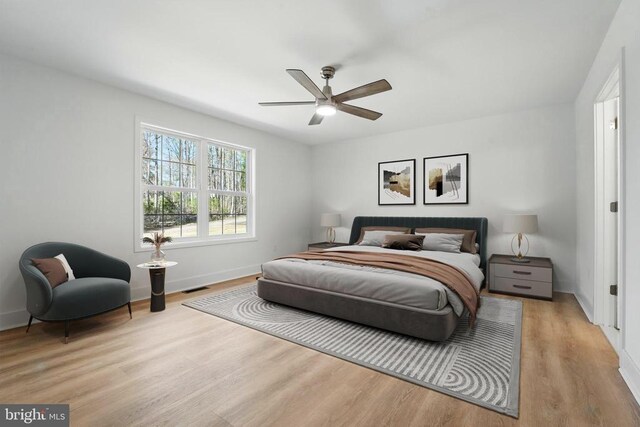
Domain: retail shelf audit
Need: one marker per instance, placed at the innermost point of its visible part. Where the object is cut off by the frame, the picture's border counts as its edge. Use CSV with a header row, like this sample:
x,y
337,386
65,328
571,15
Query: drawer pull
x,y
524,273
522,287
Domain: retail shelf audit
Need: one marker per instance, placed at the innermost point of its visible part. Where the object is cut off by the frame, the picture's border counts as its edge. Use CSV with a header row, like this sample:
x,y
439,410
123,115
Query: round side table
x,y
156,275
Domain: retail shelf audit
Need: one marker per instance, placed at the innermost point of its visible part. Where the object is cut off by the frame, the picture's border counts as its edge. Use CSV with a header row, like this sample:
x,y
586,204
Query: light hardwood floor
x,y
184,367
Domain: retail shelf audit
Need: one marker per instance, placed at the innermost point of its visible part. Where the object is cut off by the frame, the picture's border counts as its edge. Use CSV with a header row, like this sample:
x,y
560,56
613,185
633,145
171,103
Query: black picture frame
x,y
459,190
386,195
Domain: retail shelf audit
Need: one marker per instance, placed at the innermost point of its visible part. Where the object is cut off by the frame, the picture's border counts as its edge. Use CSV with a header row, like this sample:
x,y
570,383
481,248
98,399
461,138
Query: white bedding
x,y
377,283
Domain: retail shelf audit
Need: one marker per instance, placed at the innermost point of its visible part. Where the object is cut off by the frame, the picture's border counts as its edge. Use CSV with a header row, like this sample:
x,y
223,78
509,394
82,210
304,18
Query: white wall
x,y
518,162
624,32
67,174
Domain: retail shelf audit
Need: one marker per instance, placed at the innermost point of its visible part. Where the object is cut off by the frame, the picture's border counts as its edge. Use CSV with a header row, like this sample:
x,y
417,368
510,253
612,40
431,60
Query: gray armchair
x,y
101,285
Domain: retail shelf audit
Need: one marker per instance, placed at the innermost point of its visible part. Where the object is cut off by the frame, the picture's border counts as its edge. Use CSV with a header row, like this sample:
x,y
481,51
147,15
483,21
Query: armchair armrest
x,y
39,292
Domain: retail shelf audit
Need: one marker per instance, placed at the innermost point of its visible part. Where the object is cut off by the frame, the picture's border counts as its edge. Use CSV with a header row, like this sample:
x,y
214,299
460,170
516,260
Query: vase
x,y
157,255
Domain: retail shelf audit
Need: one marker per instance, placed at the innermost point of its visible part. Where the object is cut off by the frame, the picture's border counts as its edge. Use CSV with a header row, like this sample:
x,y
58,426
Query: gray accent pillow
x,y
467,243
376,237
443,242
363,230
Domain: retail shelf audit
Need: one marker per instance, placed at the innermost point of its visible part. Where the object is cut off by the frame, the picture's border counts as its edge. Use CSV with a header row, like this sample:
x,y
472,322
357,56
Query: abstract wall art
x,y
397,182
446,179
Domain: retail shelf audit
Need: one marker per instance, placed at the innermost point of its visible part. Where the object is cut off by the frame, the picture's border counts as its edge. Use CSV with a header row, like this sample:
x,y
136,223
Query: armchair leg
x,y
66,331
29,324
129,305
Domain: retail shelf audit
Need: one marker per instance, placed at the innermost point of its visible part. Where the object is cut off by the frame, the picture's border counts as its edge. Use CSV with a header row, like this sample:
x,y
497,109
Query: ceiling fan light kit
x,y
326,103
326,109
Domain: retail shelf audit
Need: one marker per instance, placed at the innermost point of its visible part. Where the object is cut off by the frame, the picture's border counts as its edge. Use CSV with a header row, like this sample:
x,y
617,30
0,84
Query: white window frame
x,y
202,190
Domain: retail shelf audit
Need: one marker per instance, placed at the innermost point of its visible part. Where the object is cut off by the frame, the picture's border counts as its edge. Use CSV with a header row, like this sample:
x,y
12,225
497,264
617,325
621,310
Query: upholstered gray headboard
x,y
479,224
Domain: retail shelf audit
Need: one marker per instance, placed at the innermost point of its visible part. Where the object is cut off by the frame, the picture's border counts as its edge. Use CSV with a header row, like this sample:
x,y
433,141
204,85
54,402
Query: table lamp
x,y
330,220
520,224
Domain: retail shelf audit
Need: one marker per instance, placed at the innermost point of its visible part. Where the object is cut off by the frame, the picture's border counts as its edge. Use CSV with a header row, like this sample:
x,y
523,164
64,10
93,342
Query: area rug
x,y
479,365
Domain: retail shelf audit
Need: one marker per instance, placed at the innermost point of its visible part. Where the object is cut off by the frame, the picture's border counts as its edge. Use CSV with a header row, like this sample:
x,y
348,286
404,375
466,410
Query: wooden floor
x,y
184,367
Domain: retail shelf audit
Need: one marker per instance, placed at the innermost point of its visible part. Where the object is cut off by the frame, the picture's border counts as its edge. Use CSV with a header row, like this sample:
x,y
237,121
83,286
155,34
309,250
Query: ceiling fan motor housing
x,y
328,72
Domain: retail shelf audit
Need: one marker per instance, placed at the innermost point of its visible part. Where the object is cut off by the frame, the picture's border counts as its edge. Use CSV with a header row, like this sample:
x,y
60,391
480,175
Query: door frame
x,y
613,85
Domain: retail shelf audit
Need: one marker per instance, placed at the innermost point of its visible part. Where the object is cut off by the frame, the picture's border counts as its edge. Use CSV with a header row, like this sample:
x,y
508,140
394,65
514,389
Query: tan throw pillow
x,y
468,243
52,269
404,242
399,230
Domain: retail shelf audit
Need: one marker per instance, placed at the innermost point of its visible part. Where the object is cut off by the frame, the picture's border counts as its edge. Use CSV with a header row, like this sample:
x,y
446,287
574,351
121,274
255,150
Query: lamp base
x,y
331,235
520,260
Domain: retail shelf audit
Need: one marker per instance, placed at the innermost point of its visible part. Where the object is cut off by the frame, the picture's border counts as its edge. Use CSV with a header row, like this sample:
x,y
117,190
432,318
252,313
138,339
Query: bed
x,y
400,302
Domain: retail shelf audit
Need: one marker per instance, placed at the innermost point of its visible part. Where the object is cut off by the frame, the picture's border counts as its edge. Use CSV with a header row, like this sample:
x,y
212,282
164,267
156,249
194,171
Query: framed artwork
x,y
397,182
446,179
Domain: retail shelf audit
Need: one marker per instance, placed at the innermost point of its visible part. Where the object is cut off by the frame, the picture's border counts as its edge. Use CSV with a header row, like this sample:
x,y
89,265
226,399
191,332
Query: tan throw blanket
x,y
450,276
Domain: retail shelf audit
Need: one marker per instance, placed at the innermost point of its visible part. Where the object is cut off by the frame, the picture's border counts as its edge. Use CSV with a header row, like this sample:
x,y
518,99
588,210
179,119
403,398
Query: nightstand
x,y
321,246
531,279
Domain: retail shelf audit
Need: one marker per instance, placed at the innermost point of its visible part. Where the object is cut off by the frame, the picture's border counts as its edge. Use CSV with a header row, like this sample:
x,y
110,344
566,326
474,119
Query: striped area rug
x,y
479,365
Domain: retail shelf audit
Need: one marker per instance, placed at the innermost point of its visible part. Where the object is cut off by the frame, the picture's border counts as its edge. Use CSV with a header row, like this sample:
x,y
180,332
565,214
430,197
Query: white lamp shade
x,y
520,223
330,220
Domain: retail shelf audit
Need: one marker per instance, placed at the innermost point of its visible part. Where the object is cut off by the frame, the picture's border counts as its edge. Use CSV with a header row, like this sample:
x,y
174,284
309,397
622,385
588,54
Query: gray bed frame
x,y
434,325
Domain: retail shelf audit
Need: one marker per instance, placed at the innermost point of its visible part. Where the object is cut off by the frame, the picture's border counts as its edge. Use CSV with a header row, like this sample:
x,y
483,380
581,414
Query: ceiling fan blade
x,y
278,104
358,111
306,82
316,119
362,91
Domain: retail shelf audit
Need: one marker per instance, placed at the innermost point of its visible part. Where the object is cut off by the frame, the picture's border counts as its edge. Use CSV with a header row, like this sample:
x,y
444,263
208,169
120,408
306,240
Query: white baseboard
x,y
16,319
564,287
144,292
630,373
586,307
613,336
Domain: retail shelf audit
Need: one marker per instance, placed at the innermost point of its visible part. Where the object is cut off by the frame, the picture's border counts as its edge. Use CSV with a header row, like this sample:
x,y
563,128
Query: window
x,y
227,190
193,189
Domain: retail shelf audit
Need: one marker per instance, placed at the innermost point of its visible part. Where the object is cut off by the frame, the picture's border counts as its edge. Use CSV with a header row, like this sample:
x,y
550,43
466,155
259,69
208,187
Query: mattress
x,y
379,284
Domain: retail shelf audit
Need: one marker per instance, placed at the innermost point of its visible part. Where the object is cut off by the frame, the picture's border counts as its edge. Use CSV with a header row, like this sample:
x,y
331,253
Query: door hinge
x,y
613,207
613,124
613,290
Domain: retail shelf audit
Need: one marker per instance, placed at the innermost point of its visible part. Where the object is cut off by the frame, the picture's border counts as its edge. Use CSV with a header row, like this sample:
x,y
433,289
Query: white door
x,y
610,215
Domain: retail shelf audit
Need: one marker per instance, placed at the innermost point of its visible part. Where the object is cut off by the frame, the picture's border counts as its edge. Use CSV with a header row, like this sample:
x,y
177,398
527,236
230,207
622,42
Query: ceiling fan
x,y
326,102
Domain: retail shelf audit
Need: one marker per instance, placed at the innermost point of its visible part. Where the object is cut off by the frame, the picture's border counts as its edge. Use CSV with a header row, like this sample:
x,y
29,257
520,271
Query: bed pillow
x,y
405,242
376,234
52,269
66,266
443,242
468,243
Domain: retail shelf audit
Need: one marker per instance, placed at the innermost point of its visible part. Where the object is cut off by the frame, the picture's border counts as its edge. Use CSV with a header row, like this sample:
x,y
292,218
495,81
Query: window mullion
x,y
248,192
229,193
167,188
203,187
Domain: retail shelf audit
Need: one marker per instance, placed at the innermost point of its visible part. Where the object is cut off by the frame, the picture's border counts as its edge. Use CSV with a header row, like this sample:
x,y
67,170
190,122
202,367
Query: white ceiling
x,y
447,60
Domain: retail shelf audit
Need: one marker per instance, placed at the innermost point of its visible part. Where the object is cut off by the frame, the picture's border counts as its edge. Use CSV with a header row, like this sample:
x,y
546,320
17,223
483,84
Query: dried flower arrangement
x,y
157,240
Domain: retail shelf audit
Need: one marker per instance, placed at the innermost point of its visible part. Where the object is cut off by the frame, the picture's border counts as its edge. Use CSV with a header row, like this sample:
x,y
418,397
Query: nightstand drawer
x,y
523,272
522,287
